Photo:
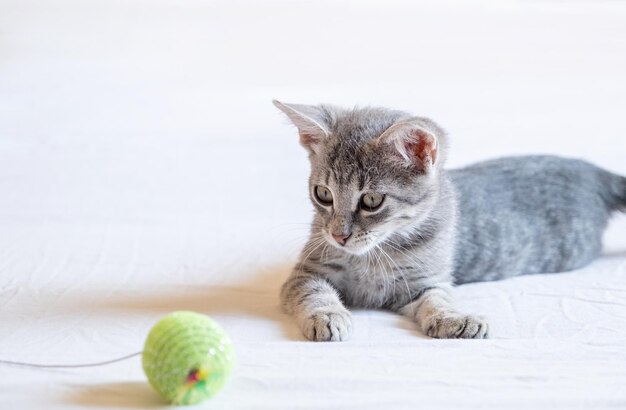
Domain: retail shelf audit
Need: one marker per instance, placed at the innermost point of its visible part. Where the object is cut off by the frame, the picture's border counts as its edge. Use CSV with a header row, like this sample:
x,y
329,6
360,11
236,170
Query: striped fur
x,y
434,227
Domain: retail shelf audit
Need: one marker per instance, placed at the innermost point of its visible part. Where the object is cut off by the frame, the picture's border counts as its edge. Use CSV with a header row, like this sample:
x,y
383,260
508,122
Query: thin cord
x,y
69,366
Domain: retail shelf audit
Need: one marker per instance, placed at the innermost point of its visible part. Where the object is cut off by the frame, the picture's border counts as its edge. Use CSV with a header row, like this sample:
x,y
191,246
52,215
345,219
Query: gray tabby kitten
x,y
393,229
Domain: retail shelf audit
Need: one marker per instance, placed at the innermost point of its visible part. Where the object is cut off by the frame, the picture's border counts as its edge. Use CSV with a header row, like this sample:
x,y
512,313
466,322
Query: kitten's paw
x,y
457,327
331,324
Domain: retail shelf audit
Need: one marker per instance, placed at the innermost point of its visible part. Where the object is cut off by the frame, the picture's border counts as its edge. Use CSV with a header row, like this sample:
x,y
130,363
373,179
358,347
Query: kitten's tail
x,y
616,192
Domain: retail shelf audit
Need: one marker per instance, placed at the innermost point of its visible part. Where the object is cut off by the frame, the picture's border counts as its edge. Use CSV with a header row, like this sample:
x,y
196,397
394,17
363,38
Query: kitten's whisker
x,y
324,252
368,259
391,275
386,281
318,242
387,276
399,271
413,258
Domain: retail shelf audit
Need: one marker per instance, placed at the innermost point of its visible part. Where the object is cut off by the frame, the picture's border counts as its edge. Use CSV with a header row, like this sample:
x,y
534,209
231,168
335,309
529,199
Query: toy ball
x,y
187,357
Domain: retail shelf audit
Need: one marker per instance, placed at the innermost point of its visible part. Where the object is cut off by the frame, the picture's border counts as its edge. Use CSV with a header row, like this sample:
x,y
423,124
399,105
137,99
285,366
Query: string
x,y
68,366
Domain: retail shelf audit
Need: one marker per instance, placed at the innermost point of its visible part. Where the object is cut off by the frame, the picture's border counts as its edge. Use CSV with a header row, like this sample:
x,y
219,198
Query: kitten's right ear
x,y
311,122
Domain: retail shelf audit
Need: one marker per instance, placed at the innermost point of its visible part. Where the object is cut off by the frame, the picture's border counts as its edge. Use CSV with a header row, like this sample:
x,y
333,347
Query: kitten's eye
x,y
371,201
323,195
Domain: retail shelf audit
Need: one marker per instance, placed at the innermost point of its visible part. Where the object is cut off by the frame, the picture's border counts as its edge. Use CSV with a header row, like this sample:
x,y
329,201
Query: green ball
x,y
187,357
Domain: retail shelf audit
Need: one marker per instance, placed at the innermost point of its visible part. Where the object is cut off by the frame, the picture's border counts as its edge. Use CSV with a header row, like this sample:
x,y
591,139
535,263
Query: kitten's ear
x,y
417,141
311,122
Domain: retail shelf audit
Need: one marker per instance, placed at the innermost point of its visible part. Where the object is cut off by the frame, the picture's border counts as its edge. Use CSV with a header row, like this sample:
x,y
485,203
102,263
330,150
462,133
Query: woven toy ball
x,y
187,357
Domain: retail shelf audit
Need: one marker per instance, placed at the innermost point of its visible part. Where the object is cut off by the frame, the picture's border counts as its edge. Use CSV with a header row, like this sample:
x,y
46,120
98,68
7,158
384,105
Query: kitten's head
x,y
373,171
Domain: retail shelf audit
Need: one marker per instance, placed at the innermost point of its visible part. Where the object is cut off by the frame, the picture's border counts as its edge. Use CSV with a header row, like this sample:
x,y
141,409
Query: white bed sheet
x,y
143,170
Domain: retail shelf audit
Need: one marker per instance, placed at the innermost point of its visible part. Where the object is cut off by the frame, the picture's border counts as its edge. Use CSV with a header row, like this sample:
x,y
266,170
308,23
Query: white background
x,y
143,169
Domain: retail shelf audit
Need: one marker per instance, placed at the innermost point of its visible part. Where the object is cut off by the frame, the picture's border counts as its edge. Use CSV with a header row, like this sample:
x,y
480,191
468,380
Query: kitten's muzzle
x,y
341,239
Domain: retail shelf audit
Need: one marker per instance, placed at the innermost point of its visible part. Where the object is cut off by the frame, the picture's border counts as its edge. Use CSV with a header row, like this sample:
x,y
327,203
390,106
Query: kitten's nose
x,y
341,239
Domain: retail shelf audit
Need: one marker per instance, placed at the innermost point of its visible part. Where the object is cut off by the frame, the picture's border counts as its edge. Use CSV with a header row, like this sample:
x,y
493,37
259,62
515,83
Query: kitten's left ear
x,y
312,123
417,141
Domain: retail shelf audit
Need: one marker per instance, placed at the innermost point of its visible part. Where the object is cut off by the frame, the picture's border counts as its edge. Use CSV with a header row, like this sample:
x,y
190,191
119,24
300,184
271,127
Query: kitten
x,y
393,229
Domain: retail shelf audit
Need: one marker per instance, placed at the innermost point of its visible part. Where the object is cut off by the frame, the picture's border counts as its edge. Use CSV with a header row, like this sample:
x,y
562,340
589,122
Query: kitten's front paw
x,y
331,324
457,327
